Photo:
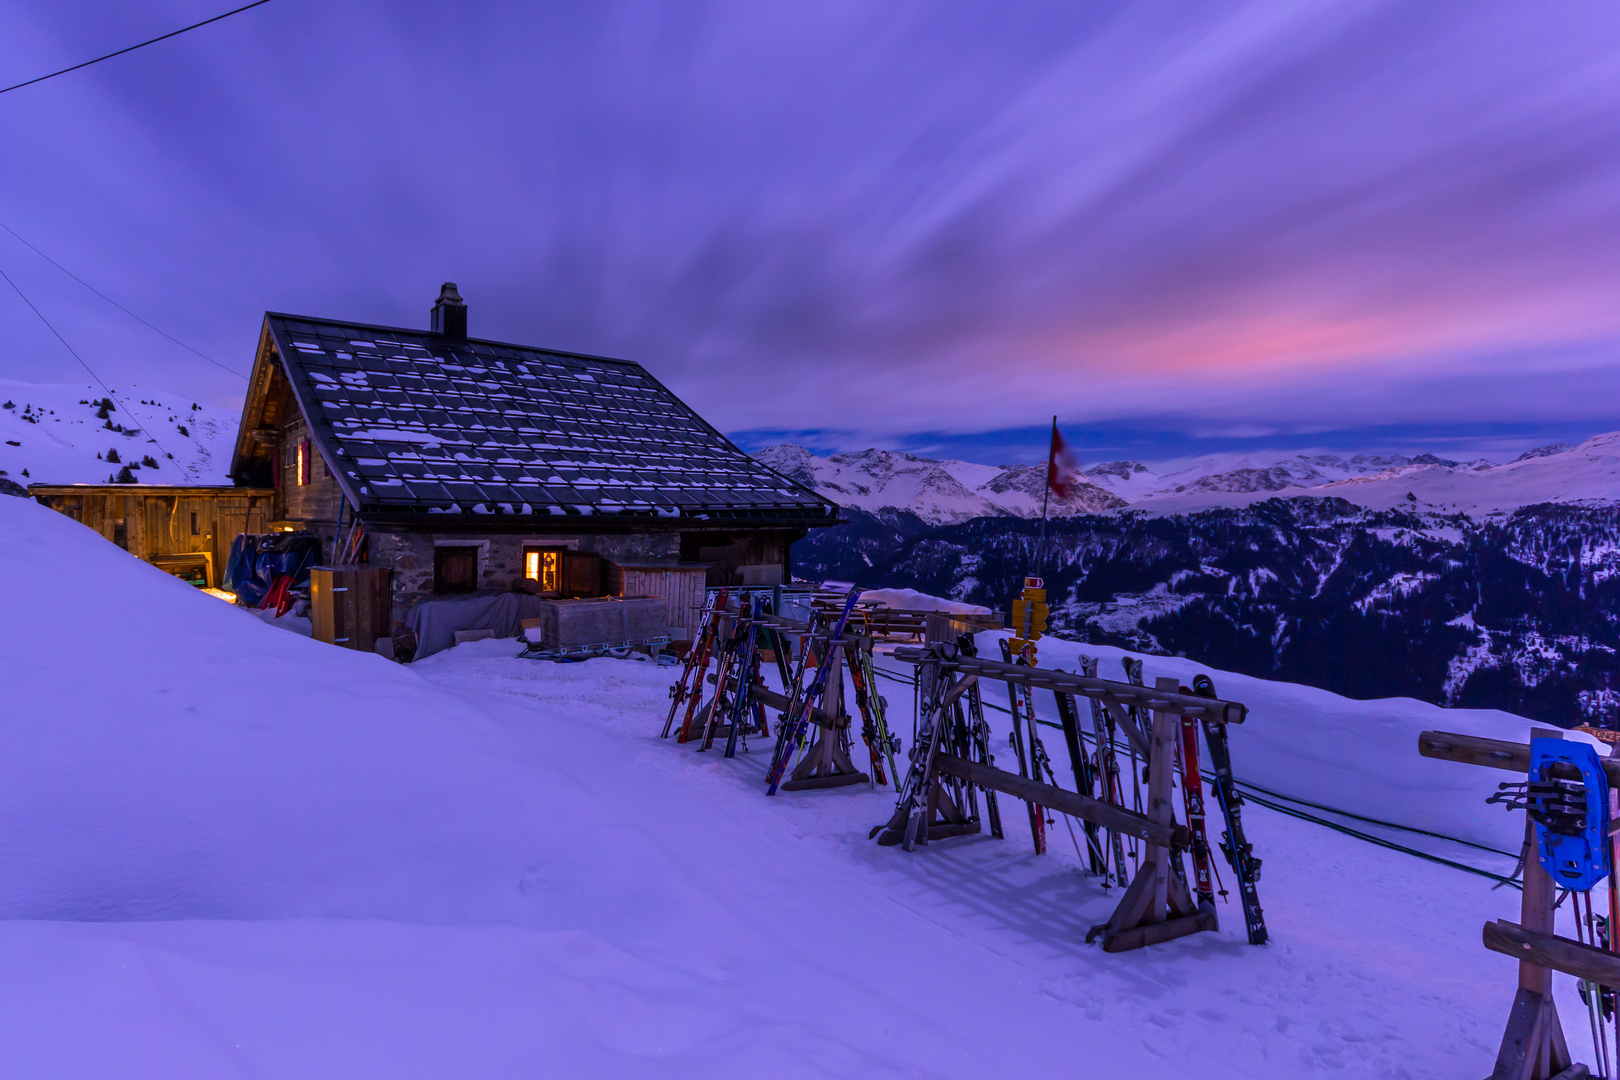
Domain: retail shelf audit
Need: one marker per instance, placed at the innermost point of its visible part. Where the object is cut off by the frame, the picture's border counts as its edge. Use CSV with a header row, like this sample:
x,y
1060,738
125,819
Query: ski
x,y
1026,765
747,674
1108,777
874,716
790,733
690,687
1192,790
711,650
1238,851
981,735
1084,783
723,675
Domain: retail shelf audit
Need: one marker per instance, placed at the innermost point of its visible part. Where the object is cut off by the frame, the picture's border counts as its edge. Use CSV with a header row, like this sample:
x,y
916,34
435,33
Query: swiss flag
x,y
1062,465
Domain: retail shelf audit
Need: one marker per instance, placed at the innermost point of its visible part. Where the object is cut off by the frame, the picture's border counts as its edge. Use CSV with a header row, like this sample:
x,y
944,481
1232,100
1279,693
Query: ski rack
x,y
950,762
738,671
826,763
1533,1044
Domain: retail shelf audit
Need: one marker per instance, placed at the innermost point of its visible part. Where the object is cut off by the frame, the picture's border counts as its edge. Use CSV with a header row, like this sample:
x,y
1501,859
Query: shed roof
x,y
413,422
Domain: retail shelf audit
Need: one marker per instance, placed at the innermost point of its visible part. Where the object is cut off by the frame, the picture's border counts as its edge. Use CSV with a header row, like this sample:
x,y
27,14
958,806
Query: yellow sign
x,y
1029,613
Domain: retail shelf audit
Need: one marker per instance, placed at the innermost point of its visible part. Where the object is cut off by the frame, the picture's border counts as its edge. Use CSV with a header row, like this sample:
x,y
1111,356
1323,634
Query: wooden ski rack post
x,y
826,763
1533,1046
1157,906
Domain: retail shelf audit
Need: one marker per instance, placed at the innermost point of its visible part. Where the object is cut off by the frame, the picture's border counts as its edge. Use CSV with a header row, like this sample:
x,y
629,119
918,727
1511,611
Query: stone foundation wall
x,y
500,558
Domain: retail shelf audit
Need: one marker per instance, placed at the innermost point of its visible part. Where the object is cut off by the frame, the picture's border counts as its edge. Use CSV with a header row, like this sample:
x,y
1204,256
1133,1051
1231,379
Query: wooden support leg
x,y
1533,1046
827,763
1157,906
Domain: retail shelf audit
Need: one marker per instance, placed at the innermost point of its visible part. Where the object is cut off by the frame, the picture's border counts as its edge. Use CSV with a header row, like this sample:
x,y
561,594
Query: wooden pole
x,y
1533,1046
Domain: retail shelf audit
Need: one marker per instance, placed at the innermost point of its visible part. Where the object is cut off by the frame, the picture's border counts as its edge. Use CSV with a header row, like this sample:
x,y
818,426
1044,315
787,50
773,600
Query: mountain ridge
x,y
951,491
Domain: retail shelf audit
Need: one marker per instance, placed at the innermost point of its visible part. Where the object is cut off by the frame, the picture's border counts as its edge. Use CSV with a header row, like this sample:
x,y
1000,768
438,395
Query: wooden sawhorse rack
x,y
947,757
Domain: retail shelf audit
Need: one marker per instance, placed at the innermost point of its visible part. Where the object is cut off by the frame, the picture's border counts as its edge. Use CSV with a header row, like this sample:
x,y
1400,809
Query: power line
x,y
116,304
132,48
93,375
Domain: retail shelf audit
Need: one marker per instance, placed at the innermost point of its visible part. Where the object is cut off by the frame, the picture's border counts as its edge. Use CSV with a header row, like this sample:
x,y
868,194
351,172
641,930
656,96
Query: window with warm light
x,y
303,462
543,567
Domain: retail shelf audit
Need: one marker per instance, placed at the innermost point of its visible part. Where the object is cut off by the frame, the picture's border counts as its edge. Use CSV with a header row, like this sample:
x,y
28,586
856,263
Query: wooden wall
x,y
158,521
681,587
725,552
316,501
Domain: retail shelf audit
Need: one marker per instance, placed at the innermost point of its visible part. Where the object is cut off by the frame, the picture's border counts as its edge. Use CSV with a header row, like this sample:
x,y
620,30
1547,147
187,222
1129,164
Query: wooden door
x,y
582,574
455,569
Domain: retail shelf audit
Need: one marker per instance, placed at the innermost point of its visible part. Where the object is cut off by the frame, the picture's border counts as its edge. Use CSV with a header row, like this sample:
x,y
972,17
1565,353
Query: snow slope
x,y
231,851
1589,472
50,434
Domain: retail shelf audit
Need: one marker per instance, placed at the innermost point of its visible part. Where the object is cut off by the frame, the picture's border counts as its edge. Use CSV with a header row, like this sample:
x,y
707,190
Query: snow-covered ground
x,y
51,434
227,850
912,600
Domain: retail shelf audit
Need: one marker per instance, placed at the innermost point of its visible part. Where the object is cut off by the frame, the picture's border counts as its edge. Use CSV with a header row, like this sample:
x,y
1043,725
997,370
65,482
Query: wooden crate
x,y
680,585
349,605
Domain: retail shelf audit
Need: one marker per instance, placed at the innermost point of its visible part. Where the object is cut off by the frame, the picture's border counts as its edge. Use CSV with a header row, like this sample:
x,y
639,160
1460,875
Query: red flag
x,y
1062,464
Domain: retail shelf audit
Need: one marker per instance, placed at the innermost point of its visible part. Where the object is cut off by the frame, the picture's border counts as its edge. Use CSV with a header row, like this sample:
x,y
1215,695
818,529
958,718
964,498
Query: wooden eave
x,y
192,490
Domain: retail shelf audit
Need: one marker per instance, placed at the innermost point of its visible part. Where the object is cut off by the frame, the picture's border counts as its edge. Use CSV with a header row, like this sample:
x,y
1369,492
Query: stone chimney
x,y
450,313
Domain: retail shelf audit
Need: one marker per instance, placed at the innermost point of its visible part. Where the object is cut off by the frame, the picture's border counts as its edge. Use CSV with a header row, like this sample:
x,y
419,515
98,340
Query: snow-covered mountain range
x,y
939,492
951,491
63,434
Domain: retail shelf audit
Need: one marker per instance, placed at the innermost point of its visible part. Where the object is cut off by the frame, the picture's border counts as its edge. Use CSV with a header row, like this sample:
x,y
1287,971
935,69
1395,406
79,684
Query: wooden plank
x,y
1159,932
1493,753
1519,1041
1117,818
1536,898
772,700
1161,786
1552,951
1226,712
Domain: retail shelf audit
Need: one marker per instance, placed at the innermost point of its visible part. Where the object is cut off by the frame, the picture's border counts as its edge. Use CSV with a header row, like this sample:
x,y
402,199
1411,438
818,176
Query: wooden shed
x,y
680,584
184,530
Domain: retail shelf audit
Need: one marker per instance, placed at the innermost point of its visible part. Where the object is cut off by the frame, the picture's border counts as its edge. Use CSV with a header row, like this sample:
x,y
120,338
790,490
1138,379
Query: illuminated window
x,y
303,462
543,567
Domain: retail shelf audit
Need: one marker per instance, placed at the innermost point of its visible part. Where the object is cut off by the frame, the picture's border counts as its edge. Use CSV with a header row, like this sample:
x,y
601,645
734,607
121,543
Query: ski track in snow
x,y
231,851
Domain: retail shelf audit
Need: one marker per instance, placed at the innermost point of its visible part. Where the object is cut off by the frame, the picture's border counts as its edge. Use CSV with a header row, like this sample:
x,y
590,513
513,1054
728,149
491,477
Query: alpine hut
x,y
460,465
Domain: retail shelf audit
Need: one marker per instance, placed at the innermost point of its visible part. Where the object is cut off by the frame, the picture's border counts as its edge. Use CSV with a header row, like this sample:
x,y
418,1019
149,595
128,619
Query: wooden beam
x,y
1120,820
1224,712
1159,932
1493,753
772,700
1552,951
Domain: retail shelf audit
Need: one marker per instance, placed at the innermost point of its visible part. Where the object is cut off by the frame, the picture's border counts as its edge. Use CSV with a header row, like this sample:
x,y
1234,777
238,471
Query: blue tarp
x,y
256,561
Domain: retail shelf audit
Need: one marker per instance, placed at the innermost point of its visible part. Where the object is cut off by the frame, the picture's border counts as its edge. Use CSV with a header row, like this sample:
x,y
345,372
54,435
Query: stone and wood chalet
x,y
468,464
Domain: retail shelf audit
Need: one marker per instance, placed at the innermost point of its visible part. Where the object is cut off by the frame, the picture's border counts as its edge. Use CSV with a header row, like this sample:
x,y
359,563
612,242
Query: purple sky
x,y
1178,226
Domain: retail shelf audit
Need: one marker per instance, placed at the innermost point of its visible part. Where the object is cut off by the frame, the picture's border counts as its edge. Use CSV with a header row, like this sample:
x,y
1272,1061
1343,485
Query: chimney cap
x,y
449,315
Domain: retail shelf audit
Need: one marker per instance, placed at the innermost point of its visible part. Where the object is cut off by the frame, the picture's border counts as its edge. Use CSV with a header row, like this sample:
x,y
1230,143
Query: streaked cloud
x,y
882,220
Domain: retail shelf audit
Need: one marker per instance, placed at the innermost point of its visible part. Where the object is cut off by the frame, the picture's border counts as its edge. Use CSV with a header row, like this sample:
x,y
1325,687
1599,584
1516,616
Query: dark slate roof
x,y
416,423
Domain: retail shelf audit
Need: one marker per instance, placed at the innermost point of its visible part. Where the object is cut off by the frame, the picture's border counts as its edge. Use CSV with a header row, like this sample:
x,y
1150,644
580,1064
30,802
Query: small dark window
x,y
455,569
120,534
194,530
